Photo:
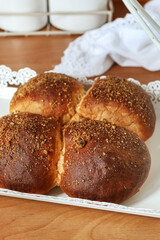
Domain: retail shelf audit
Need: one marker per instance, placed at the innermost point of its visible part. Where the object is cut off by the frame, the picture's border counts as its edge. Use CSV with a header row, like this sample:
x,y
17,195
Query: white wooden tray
x,y
146,202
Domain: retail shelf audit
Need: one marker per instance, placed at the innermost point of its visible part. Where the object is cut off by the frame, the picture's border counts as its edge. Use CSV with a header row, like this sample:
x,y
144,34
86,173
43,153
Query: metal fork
x,y
138,11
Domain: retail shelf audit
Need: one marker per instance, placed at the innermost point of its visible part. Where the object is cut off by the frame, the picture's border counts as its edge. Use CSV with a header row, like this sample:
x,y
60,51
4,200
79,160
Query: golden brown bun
x,y
121,102
29,150
102,161
48,94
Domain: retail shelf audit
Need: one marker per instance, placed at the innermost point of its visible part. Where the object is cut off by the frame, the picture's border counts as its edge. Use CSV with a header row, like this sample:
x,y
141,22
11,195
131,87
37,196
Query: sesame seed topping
x,y
127,93
25,140
54,91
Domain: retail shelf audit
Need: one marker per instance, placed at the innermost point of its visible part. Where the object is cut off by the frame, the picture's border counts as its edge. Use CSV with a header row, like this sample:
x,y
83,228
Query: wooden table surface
x,y
26,219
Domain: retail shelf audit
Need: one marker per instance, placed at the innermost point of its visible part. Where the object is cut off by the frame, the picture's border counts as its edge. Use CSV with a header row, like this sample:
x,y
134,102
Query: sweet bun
x,y
121,102
48,94
29,151
103,156
102,161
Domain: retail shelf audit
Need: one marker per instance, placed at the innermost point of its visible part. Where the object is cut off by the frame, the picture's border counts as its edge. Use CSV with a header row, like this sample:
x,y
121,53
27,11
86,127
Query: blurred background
x,y
28,17
54,29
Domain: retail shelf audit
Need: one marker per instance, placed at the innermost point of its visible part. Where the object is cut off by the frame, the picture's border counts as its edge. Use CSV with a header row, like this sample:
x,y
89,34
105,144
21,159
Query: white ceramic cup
x,y
22,23
78,22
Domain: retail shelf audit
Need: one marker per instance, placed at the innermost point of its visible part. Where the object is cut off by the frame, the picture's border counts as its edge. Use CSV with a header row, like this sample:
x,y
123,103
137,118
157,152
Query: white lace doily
x,y
9,77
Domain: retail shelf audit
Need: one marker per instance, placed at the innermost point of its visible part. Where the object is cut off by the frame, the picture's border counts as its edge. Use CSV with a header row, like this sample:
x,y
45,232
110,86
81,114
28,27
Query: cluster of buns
x,y
91,144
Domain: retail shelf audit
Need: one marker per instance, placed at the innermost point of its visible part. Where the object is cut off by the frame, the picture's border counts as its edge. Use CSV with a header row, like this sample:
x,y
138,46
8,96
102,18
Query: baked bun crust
x,y
29,150
102,161
120,102
48,94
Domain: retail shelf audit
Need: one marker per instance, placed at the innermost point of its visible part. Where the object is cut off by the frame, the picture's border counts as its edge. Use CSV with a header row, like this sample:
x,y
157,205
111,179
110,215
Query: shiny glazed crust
x,y
102,162
121,102
48,94
29,151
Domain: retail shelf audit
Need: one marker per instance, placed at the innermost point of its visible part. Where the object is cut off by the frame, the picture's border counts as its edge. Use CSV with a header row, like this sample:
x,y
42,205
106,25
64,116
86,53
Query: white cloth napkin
x,y
122,41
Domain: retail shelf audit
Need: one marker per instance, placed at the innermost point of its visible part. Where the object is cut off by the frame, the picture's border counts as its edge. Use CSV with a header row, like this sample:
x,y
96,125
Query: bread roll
x,y
121,102
48,94
102,162
29,150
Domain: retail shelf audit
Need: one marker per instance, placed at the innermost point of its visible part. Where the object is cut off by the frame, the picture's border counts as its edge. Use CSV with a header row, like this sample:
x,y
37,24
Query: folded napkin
x,y
122,41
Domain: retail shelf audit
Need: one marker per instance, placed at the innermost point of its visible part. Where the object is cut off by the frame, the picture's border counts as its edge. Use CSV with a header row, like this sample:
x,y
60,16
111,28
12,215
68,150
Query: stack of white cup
x,y
22,23
64,22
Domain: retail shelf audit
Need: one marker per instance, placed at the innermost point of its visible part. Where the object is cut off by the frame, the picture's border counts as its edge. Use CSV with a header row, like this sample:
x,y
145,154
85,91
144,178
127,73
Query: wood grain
x,y
38,53
26,219
23,219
